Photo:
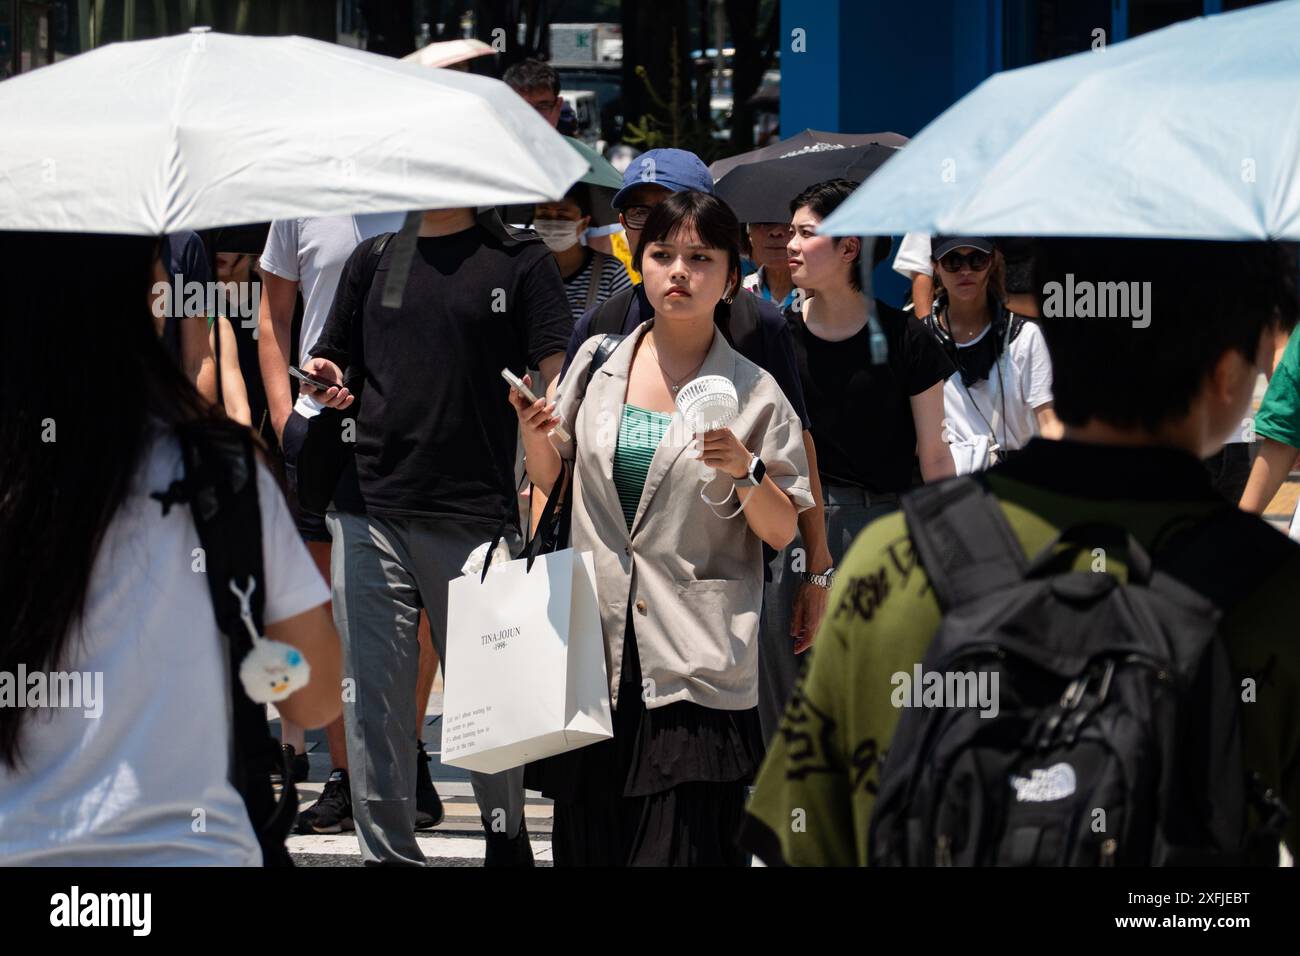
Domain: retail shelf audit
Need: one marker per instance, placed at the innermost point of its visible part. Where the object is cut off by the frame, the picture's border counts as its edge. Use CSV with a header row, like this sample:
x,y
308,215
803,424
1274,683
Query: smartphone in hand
x,y
314,382
517,383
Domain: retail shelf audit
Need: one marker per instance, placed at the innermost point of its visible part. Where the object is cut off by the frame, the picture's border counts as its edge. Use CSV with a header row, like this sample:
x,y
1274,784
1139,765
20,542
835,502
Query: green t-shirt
x,y
639,434
816,790
1278,417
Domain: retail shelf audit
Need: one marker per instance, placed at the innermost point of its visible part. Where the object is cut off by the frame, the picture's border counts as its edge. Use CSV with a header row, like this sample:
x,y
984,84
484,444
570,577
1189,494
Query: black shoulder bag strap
x,y
604,350
544,539
220,486
962,539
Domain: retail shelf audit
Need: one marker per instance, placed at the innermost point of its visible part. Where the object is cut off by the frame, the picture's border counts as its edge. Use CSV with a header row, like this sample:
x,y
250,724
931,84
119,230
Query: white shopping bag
x,y
525,664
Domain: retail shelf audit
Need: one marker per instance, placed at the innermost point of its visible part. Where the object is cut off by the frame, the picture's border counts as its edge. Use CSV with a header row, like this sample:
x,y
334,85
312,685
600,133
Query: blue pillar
x,y
810,65
855,66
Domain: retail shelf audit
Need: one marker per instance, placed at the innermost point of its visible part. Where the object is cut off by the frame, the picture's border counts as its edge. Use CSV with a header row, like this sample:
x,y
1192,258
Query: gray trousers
x,y
848,511
384,570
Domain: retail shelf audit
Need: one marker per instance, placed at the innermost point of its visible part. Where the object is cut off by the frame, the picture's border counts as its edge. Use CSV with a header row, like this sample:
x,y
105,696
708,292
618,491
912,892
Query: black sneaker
x,y
428,808
508,851
332,813
299,764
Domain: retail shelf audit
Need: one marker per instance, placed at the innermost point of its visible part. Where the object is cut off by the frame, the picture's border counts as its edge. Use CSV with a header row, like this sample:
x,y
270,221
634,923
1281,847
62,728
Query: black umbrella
x,y
810,140
761,192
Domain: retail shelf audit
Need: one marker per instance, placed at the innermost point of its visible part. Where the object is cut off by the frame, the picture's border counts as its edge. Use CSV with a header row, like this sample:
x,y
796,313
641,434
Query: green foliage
x,y
672,122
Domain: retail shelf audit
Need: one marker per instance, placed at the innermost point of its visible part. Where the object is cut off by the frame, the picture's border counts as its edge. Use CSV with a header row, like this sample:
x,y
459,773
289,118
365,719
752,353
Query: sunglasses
x,y
978,261
636,216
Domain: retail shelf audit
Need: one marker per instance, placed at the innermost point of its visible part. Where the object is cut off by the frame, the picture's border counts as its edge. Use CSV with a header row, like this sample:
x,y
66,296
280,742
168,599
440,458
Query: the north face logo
x,y
1044,786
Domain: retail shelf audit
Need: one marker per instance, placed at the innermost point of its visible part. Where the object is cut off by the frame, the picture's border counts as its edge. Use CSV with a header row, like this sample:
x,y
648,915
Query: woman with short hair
x,y
679,561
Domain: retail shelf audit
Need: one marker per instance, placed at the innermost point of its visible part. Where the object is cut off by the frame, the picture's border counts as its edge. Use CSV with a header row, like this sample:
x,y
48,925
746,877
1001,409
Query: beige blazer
x,y
693,581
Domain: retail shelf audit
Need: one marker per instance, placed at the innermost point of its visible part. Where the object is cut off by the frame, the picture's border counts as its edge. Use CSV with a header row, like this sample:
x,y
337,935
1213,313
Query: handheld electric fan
x,y
708,403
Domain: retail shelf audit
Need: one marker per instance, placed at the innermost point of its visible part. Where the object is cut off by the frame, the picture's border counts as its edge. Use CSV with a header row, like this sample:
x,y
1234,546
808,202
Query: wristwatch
x,y
822,580
755,476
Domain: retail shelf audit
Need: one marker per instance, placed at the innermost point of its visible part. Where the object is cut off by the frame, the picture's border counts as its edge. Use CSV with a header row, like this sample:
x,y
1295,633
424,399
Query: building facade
x,y
894,65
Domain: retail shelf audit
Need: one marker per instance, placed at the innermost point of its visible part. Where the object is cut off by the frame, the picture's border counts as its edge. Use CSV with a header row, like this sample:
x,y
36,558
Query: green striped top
x,y
639,434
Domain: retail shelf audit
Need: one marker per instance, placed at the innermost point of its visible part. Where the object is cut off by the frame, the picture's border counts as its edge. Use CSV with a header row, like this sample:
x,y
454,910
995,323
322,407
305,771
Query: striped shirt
x,y
639,434
613,279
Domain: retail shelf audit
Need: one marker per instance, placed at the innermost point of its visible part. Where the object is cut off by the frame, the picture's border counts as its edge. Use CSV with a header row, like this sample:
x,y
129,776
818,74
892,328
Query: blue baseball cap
x,y
674,169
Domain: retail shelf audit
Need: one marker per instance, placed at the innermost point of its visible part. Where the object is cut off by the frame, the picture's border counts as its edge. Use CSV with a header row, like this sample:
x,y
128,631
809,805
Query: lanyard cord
x,y
1001,393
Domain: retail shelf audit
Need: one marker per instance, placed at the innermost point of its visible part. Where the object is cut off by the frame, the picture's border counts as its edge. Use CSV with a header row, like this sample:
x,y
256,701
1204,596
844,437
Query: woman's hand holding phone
x,y
335,397
538,416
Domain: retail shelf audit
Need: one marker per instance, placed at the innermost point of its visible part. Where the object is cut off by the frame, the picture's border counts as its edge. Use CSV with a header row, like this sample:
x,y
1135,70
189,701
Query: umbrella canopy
x,y
810,140
1191,132
447,52
205,129
761,192
599,171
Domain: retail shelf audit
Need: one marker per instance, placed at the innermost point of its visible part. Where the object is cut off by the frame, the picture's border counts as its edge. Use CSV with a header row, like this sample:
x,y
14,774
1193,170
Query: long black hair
x,y
84,376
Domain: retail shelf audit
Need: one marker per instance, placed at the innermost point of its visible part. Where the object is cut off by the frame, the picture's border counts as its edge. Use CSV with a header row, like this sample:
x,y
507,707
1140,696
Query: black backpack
x,y
220,486
1116,738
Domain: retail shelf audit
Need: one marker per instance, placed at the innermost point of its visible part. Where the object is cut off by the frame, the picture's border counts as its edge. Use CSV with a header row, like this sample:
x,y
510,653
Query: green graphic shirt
x,y
816,790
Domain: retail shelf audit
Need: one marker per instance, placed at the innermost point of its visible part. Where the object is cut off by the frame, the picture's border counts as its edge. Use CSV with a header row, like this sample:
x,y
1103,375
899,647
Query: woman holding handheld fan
x,y
679,565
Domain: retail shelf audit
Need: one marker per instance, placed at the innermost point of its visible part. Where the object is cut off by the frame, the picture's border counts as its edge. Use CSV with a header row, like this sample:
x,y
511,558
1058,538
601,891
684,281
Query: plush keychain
x,y
272,670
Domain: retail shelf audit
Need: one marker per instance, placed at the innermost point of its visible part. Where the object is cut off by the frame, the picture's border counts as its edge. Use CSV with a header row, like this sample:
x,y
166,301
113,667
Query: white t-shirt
x,y
312,252
126,788
914,255
1027,380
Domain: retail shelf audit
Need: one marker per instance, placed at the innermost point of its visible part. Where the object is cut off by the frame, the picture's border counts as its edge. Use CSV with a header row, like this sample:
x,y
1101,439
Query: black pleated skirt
x,y
667,790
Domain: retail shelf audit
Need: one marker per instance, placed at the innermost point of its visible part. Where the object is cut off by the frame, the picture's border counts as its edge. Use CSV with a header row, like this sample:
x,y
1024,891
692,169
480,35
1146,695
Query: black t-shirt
x,y
435,432
862,420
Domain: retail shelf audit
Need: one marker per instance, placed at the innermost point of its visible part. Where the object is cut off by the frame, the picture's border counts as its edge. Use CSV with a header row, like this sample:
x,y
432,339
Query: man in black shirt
x,y
435,452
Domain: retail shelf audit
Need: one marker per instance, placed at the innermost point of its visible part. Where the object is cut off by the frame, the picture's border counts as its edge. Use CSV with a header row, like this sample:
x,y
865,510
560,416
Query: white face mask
x,y
558,234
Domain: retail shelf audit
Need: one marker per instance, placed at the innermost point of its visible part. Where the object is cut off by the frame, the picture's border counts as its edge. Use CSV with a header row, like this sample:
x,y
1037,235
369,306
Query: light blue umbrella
x,y
1190,132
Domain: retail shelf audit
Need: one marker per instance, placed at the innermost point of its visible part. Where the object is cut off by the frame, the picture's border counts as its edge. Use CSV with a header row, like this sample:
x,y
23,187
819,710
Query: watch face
x,y
760,470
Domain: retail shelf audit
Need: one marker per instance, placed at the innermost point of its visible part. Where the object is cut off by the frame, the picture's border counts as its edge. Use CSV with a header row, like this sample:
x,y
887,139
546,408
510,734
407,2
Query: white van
x,y
587,109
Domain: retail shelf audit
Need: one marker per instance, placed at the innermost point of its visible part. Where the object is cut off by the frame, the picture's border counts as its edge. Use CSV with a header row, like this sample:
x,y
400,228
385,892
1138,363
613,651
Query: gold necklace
x,y
676,384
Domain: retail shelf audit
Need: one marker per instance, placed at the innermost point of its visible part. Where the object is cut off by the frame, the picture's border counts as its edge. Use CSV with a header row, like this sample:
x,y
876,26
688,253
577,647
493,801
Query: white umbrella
x,y
447,52
206,129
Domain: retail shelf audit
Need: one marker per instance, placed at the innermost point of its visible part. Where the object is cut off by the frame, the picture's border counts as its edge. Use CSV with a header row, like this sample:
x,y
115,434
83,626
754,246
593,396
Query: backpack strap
x,y
220,486
403,256
962,539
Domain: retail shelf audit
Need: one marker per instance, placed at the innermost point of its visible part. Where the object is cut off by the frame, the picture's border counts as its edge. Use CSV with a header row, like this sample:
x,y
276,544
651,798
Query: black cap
x,y
940,246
